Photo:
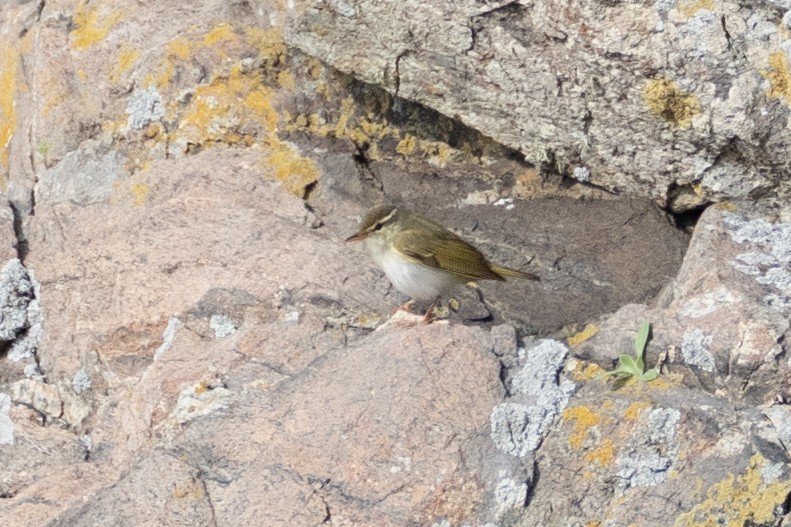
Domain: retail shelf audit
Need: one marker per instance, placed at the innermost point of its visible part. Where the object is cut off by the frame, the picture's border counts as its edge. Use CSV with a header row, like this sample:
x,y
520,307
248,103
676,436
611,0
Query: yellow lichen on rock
x,y
581,336
690,8
221,33
235,107
9,79
126,59
268,42
778,76
293,171
90,27
123,190
665,99
436,152
139,193
587,371
584,419
738,500
226,109
347,110
635,410
407,145
602,455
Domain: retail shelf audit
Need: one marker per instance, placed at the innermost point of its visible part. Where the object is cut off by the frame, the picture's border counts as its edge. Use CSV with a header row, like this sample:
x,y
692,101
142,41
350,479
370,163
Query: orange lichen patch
x,y
666,381
778,76
376,131
235,108
294,171
221,33
689,8
9,82
347,110
202,387
744,499
665,99
179,48
584,419
634,410
588,372
315,69
139,192
126,59
268,42
436,152
603,455
228,107
89,27
580,337
286,80
123,190
407,145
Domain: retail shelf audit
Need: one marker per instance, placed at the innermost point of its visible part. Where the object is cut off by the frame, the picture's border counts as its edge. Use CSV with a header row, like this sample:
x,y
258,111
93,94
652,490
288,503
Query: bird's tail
x,y
505,271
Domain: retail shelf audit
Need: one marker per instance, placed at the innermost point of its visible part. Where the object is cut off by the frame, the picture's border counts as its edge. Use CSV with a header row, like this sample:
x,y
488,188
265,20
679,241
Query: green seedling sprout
x,y
634,366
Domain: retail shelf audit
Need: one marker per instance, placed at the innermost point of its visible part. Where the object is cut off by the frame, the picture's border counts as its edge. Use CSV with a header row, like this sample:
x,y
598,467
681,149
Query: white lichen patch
x,y
222,326
695,350
651,451
509,494
517,428
705,304
769,260
81,382
144,106
167,337
200,400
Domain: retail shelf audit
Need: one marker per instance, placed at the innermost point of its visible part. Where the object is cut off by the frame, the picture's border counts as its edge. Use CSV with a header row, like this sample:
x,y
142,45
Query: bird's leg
x,y
405,307
429,316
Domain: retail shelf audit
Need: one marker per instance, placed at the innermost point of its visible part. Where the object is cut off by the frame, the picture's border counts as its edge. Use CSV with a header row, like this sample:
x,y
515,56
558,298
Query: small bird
x,y
422,258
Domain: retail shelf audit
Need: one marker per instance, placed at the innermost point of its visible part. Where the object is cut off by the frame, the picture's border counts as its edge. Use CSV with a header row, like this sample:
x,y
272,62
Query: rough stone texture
x,y
194,344
724,321
686,101
8,240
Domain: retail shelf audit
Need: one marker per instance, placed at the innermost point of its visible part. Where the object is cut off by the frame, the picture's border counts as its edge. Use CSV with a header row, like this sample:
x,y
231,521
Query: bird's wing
x,y
442,249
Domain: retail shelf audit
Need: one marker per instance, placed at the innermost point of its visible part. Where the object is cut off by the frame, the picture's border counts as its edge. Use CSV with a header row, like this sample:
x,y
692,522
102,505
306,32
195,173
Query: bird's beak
x,y
357,237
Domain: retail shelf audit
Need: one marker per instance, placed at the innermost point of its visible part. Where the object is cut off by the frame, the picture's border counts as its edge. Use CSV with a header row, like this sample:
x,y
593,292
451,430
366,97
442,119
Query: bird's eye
x,y
378,226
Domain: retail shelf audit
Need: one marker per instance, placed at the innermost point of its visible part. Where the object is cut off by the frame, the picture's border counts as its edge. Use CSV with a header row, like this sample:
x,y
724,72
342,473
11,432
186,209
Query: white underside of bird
x,y
412,278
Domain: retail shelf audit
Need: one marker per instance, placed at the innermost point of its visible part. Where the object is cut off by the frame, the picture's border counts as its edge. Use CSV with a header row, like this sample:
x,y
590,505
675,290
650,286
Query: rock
x,y
6,424
87,175
577,87
8,240
20,321
44,398
16,291
724,321
196,344
158,488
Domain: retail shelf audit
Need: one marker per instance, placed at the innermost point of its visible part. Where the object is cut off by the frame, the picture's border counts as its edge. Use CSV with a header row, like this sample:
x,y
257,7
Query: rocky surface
x,y
685,101
186,339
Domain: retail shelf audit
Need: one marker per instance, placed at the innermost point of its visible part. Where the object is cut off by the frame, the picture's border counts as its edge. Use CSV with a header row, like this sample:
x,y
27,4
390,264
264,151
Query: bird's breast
x,y
411,278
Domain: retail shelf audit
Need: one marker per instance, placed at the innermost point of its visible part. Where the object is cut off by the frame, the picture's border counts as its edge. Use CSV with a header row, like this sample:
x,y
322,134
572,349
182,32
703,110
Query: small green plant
x,y
634,366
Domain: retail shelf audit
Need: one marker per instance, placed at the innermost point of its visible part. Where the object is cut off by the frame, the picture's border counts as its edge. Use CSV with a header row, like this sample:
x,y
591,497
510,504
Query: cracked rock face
x,y
686,101
188,340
